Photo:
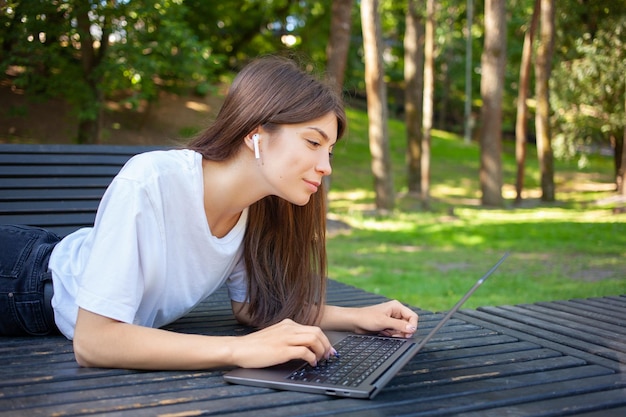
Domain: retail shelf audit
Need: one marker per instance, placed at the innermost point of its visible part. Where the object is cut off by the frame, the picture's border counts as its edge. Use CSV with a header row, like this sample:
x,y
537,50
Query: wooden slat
x,y
60,206
608,304
585,311
600,344
583,331
58,182
585,323
42,171
44,157
619,411
577,401
49,219
519,327
28,195
51,149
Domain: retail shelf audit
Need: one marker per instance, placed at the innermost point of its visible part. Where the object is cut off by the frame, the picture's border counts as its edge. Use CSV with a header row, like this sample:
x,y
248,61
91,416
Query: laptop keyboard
x,y
359,357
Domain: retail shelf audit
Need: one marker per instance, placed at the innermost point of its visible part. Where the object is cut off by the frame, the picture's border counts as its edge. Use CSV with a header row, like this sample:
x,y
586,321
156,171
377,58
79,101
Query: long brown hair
x,y
284,244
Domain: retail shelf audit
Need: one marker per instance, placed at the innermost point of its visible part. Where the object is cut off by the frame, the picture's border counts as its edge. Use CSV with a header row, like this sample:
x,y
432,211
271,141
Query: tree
x,y
377,105
467,131
83,51
91,57
621,172
337,49
491,88
543,66
521,122
414,93
588,92
429,99
54,51
339,41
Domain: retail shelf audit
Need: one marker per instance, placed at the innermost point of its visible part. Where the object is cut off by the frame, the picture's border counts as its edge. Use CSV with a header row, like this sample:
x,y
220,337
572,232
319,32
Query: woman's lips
x,y
313,185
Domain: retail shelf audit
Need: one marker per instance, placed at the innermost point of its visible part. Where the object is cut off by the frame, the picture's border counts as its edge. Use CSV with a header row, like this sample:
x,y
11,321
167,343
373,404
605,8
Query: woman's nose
x,y
324,166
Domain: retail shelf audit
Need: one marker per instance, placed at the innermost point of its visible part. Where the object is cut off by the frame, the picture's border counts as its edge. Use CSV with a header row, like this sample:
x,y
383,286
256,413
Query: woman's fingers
x,y
391,318
283,342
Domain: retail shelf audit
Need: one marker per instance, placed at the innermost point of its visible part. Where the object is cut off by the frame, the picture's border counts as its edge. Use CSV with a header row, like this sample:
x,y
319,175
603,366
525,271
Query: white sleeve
x,y
237,284
125,248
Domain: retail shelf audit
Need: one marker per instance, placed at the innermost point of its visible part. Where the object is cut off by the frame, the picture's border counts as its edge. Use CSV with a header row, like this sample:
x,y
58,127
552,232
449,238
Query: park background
x,y
154,73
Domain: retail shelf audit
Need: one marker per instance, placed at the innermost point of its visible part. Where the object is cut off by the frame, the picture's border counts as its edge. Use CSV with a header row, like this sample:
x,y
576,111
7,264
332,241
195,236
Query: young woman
x,y
243,205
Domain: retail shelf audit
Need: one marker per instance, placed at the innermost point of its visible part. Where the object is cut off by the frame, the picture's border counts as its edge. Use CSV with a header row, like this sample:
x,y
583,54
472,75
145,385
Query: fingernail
x,y
410,328
334,352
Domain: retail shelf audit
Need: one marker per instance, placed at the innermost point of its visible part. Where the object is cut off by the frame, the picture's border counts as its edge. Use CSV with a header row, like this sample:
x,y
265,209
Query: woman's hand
x,y
280,343
389,319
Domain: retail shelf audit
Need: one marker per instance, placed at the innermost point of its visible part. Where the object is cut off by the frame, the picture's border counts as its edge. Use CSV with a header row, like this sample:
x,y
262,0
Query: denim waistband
x,y
48,292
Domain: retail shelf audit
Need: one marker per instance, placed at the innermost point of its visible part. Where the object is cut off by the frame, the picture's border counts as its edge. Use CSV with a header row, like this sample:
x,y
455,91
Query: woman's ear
x,y
252,141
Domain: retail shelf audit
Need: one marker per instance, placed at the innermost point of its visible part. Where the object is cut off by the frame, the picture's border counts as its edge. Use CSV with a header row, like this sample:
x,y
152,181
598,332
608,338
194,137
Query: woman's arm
x,y
390,318
103,342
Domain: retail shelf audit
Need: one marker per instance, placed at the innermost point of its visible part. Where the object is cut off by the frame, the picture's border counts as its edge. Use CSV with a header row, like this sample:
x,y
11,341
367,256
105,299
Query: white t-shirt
x,y
150,257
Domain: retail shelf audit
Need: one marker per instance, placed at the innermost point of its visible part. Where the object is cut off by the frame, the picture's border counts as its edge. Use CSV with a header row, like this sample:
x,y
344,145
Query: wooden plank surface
x,y
72,150
476,365
585,336
57,187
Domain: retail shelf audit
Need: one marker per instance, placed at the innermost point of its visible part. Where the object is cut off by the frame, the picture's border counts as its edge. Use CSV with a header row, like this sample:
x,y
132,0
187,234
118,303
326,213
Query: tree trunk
x,y
620,160
428,106
491,89
90,119
543,66
377,105
521,122
620,163
339,42
467,129
337,51
413,93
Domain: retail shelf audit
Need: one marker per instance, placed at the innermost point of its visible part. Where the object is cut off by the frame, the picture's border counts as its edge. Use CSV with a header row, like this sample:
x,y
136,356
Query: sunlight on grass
x,y
571,248
442,134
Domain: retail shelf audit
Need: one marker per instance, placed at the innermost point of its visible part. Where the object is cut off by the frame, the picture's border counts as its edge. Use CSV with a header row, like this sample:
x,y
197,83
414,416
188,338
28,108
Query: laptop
x,y
365,364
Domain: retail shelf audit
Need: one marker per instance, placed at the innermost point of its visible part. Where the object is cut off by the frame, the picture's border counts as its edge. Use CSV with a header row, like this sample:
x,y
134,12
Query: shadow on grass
x,y
428,264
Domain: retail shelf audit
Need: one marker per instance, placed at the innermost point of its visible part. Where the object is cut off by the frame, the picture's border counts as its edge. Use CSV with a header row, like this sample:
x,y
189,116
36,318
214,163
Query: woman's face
x,y
296,157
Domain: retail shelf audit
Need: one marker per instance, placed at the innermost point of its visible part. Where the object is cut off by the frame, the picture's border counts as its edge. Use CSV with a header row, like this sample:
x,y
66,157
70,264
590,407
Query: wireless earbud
x,y
255,143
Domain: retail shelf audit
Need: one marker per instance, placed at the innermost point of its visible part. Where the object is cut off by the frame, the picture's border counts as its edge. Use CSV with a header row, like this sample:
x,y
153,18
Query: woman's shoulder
x,y
161,162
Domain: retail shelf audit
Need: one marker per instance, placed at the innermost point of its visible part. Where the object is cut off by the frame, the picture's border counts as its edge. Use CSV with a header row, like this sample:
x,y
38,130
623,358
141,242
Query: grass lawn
x,y
572,248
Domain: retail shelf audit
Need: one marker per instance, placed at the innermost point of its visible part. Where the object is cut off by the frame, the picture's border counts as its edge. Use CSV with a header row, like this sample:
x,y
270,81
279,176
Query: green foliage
x,y
157,50
563,250
143,47
575,21
187,45
244,29
589,90
138,49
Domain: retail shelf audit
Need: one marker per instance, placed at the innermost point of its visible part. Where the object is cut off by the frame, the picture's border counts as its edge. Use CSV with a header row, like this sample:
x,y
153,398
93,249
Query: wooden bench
x,y
548,359
57,187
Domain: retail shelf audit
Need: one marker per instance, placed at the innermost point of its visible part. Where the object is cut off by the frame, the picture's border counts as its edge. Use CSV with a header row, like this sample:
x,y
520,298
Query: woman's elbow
x,y
82,355
243,319
240,310
93,340
89,350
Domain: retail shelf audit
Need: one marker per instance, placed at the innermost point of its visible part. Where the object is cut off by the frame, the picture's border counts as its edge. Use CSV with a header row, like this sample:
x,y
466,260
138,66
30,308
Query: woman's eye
x,y
314,143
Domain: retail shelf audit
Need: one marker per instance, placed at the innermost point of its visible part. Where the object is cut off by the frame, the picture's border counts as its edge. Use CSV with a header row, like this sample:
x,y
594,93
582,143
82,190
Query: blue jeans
x,y
25,281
